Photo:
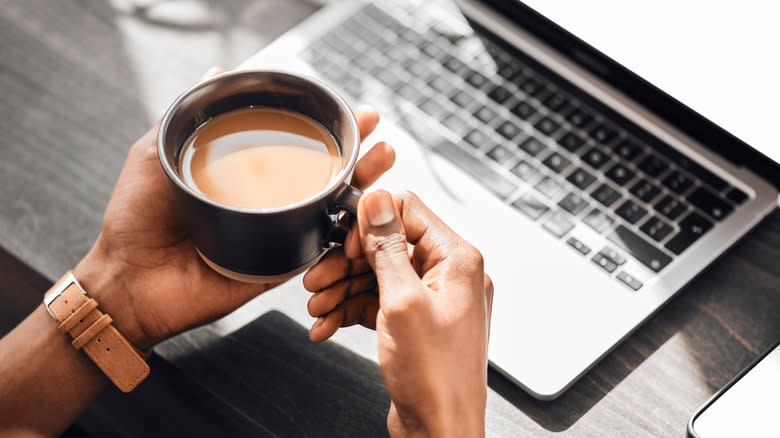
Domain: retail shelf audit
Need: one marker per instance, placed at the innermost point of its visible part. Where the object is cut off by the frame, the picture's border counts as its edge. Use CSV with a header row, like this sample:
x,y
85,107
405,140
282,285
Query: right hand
x,y
432,315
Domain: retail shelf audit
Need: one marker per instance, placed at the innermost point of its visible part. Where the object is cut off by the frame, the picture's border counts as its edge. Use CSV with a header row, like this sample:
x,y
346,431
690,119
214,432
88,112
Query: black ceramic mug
x,y
262,244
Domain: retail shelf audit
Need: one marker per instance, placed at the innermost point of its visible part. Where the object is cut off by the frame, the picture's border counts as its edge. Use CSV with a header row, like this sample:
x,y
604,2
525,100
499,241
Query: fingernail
x,y
318,322
380,210
211,72
365,107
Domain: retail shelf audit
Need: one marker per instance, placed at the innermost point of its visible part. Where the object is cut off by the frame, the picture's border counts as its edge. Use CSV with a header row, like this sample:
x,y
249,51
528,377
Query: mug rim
x,y
332,186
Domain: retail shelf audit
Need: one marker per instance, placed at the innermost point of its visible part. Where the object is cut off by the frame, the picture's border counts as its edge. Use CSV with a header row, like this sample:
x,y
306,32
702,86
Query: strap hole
x,y
80,321
98,340
108,349
72,311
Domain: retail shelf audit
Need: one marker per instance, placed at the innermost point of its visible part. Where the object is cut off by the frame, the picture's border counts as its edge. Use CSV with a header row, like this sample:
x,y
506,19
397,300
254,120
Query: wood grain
x,y
81,80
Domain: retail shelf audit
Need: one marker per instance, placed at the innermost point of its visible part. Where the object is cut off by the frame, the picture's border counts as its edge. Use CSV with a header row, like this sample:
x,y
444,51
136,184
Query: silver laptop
x,y
593,195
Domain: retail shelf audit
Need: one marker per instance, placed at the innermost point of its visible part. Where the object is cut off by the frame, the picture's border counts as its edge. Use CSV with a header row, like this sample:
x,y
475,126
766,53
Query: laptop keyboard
x,y
542,149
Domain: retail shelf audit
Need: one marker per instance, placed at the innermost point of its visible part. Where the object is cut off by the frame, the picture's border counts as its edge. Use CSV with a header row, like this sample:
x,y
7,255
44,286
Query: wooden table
x,y
80,81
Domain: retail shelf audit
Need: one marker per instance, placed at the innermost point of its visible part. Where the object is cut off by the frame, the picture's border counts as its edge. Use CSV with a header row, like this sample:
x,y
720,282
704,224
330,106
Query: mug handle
x,y
346,200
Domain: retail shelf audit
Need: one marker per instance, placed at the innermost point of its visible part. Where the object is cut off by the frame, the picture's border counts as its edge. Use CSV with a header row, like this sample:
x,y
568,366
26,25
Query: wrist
x,y
453,421
107,281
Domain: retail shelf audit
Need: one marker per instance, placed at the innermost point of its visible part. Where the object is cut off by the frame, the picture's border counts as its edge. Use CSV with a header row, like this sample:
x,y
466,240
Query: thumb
x,y
384,242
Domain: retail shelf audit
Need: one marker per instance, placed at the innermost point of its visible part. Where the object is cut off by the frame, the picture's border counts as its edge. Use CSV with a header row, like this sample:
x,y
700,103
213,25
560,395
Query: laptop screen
x,y
718,58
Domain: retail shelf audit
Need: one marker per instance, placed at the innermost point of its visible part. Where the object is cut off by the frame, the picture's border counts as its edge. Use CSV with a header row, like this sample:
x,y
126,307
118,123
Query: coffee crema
x,y
260,158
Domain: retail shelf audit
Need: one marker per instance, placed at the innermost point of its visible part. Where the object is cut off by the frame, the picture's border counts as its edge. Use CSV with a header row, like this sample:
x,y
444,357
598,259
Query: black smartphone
x,y
748,406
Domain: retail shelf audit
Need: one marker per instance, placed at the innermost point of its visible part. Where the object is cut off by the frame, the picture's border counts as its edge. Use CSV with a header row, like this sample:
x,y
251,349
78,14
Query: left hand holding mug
x,y
145,271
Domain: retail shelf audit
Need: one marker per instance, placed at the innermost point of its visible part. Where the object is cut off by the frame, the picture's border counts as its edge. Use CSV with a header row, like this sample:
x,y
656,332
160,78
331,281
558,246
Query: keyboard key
x,y
508,70
573,203
500,94
456,124
531,86
531,206
559,223
710,203
694,168
461,99
605,263
598,220
670,207
656,229
419,70
691,228
677,182
434,50
524,110
640,249
578,245
476,79
605,195
557,162
483,173
603,134
645,190
627,150
571,141
556,101
389,78
485,114
653,166
578,118
453,64
620,174
525,171
546,126
477,138
509,130
581,178
613,255
411,93
532,147
629,280
595,157
736,195
431,107
631,211
501,154
441,84
548,187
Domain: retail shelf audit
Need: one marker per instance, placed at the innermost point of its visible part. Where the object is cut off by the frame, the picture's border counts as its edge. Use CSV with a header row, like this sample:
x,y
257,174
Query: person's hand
x,y
143,269
432,312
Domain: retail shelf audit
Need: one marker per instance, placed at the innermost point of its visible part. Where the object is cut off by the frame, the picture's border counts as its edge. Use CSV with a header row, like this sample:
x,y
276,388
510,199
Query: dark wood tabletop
x,y
80,81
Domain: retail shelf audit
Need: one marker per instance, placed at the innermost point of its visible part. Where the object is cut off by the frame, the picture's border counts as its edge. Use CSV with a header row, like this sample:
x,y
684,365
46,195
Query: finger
x,y
213,71
361,309
434,241
353,248
367,119
325,326
332,268
384,243
378,160
328,299
489,300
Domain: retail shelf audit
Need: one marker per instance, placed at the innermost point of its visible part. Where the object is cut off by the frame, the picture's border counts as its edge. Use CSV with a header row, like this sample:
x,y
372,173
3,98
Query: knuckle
x,y
386,245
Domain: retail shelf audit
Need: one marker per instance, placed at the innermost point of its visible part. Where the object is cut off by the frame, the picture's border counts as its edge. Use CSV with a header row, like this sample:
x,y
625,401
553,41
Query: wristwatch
x,y
93,332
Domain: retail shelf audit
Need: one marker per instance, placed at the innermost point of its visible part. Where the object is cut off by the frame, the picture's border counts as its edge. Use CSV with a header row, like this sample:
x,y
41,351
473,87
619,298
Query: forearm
x,y
45,383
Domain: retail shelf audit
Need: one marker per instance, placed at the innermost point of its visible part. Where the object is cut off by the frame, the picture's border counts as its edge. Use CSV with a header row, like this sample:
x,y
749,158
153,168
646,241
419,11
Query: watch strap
x,y
93,332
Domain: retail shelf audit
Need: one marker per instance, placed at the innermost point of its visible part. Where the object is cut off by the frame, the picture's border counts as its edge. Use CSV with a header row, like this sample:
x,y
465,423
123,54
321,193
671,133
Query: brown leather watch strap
x,y
93,332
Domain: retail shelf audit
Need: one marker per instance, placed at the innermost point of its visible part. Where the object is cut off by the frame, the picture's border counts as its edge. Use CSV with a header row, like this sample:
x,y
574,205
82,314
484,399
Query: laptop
x,y
600,155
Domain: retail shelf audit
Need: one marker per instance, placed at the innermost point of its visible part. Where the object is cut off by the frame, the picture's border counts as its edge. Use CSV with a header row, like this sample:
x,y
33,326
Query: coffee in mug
x,y
250,221
260,158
